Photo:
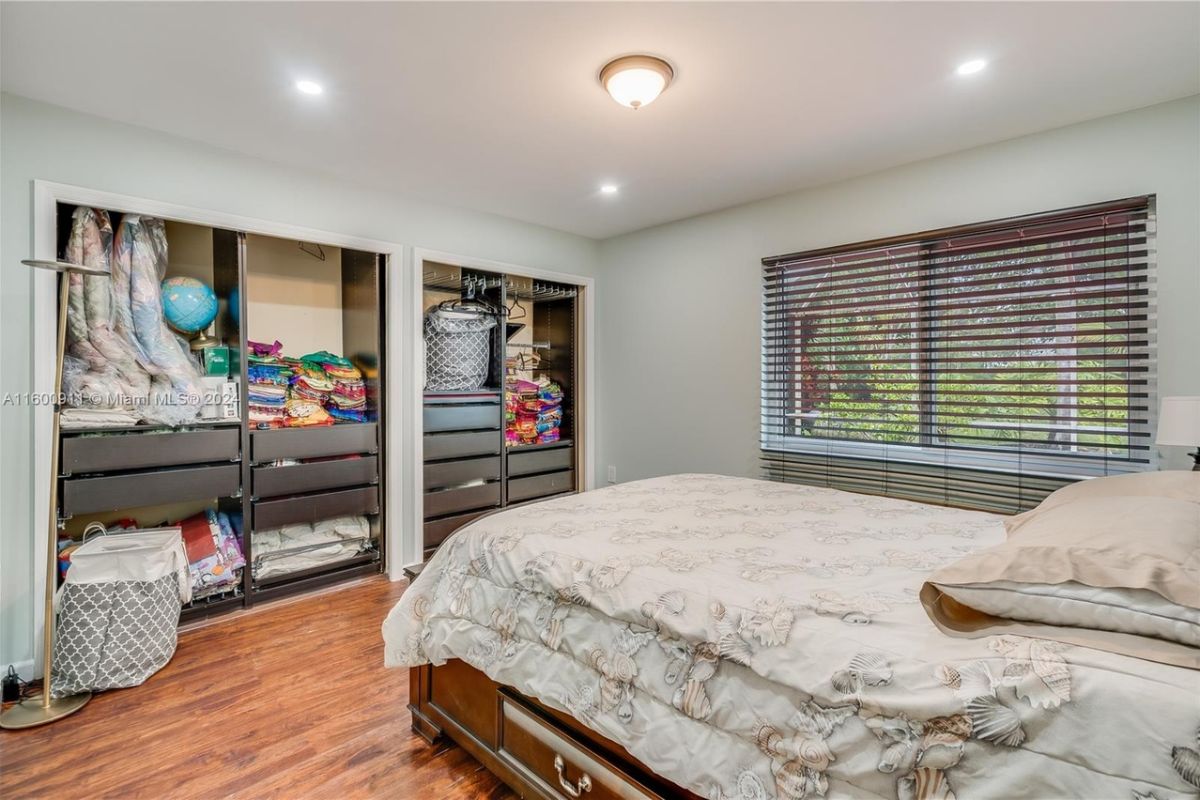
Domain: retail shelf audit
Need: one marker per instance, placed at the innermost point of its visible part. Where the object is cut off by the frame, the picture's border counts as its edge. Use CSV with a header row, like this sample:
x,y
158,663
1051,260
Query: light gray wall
x,y
44,142
679,323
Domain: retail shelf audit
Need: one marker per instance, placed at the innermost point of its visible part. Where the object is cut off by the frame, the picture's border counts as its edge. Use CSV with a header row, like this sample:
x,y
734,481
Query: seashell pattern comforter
x,y
756,640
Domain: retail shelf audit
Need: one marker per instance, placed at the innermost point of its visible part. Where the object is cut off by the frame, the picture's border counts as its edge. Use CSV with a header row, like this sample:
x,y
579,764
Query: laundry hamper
x,y
118,610
457,349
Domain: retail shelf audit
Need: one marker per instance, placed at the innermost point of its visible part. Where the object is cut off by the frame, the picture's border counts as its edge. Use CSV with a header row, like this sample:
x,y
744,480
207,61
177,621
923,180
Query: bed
x,y
733,638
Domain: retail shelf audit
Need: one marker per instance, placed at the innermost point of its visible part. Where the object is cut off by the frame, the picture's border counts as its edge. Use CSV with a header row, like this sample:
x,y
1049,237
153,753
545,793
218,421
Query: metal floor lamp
x,y
39,710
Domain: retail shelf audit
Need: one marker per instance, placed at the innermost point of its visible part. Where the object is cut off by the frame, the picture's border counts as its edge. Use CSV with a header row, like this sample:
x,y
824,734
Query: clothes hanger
x,y
516,303
471,303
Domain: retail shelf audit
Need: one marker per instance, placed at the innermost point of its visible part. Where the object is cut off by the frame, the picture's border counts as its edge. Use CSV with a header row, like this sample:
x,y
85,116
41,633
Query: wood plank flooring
x,y
289,700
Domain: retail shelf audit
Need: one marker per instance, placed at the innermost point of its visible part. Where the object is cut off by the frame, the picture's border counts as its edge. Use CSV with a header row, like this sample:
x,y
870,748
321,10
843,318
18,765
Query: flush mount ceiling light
x,y
971,67
608,188
635,81
309,87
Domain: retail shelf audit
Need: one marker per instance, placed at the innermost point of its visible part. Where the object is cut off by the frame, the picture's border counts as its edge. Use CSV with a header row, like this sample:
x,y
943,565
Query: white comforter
x,y
752,640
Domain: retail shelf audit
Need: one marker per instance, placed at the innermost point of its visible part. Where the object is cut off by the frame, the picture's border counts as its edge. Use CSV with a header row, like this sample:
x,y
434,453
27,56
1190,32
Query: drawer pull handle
x,y
584,784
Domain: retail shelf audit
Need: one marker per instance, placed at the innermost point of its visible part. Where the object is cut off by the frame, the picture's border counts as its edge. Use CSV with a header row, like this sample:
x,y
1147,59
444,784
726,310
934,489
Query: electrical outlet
x,y
612,474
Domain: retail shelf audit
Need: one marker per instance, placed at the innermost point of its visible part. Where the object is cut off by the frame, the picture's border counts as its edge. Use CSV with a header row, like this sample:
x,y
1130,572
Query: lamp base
x,y
29,713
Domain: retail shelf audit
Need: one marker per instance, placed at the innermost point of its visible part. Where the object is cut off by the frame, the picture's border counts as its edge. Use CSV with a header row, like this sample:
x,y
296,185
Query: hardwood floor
x,y
289,700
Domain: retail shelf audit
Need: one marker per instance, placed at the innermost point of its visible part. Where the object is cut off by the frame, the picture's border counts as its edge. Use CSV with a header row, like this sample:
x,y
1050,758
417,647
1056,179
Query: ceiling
x,y
497,107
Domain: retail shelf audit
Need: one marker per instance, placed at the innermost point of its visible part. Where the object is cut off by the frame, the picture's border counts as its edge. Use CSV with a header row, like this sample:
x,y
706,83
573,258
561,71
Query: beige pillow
x,y
1112,542
1176,484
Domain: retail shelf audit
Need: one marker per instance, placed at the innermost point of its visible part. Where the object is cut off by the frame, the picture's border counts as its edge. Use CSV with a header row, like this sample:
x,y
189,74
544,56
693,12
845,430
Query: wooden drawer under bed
x,y
525,743
550,759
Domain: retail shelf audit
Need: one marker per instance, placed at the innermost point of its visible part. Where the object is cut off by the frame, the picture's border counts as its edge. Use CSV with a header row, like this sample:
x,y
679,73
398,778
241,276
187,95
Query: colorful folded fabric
x,y
532,411
318,388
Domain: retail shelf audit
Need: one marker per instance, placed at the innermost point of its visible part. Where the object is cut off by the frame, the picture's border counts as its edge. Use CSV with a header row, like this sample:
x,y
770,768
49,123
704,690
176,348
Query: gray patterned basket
x,y
457,349
118,611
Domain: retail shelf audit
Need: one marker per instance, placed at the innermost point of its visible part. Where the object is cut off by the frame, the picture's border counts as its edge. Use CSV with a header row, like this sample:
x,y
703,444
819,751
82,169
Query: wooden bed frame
x,y
538,751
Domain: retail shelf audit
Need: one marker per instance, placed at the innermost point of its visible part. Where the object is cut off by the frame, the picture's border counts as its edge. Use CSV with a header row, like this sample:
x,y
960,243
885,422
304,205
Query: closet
x,y
510,439
298,490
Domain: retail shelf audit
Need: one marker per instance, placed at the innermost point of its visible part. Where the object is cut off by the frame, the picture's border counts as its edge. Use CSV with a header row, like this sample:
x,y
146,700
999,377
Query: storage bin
x,y
468,498
118,611
313,507
461,445
453,473
124,451
314,476
534,461
133,489
463,417
335,440
457,349
540,486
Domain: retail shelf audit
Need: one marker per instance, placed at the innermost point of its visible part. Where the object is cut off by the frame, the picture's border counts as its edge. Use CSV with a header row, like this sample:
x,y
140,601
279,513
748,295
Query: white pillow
x,y
1135,611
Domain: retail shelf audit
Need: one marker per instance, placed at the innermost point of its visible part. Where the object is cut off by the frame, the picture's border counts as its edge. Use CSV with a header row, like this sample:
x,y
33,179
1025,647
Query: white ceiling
x,y
496,107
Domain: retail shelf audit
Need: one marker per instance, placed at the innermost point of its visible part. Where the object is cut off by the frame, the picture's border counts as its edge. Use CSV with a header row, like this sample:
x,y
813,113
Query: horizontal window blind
x,y
981,366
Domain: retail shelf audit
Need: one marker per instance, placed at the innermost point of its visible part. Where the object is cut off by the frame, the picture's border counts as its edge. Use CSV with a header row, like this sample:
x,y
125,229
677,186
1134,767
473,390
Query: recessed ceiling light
x,y
608,188
635,81
309,87
971,67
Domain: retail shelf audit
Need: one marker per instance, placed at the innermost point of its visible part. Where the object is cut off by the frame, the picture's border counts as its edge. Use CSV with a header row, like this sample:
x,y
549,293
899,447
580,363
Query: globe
x,y
189,305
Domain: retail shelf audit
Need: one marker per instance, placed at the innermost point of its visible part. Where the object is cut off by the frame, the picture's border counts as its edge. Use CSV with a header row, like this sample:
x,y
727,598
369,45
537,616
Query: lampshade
x,y
1179,421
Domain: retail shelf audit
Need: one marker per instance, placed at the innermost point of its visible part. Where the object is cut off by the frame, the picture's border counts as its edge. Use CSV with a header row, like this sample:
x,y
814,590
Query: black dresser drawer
x,y
462,445
520,489
468,498
463,417
314,476
453,473
314,507
334,440
133,489
124,451
439,530
532,462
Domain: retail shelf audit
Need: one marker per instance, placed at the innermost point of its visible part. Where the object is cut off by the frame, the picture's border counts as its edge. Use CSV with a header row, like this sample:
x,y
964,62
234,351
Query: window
x,y
979,366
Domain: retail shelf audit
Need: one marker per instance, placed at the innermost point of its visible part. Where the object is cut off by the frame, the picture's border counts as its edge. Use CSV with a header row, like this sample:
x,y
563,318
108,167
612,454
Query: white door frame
x,y
416,391
400,347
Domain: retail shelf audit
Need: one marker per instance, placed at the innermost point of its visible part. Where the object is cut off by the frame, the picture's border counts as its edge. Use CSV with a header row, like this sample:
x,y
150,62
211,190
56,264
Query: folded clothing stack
x,y
267,375
308,393
316,389
347,400
267,393
532,411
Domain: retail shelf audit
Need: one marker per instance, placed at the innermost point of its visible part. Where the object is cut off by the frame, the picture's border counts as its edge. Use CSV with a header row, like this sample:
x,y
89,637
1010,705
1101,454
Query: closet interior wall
x,y
159,474
472,465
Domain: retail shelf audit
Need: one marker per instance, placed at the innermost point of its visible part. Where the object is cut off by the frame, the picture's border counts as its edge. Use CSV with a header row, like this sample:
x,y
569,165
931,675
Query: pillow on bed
x,y
1140,612
1118,573
1173,484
